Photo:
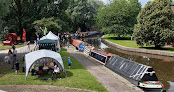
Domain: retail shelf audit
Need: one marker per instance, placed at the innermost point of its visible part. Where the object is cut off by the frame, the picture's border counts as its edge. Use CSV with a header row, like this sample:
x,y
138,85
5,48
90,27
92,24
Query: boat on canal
x,y
140,75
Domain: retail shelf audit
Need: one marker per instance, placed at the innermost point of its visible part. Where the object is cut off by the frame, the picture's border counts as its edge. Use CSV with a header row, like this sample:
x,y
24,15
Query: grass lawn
x,y
77,77
0,42
10,47
64,52
126,41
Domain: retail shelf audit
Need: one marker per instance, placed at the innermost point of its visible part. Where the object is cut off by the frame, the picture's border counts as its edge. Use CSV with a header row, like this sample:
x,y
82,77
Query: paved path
x,y
20,52
110,80
39,88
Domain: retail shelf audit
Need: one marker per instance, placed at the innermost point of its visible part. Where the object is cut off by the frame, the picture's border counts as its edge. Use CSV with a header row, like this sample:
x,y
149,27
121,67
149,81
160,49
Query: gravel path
x,y
20,52
110,80
39,88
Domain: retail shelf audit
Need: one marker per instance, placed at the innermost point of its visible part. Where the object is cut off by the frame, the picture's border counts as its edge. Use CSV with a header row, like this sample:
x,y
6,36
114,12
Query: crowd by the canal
x,y
65,38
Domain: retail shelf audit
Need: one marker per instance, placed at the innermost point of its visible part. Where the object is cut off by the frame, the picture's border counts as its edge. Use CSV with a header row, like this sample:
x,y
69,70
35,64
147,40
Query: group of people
x,y
12,58
65,38
47,64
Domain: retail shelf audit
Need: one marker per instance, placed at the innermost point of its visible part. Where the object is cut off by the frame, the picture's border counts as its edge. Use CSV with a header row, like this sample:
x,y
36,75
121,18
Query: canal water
x,y
163,65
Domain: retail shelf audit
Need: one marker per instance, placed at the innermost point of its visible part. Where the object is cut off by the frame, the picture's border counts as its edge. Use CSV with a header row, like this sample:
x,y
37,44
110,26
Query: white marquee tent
x,y
52,36
32,57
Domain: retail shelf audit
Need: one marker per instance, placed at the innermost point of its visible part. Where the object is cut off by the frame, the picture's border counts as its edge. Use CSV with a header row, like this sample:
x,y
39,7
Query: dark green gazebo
x,y
47,44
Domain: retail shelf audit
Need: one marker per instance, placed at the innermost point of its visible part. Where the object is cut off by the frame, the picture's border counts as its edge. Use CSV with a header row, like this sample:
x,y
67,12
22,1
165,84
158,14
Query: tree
x,y
4,5
33,10
82,13
118,17
155,24
49,23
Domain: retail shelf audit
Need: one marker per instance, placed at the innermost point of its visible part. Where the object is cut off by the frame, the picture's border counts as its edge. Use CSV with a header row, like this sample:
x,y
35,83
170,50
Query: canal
x,y
163,65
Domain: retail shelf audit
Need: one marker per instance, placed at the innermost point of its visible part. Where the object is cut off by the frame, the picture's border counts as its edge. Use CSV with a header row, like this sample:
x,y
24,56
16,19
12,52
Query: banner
x,y
24,35
45,31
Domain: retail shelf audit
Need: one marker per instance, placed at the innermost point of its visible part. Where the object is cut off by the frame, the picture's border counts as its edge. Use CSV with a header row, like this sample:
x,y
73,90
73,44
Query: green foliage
x,y
33,10
50,23
155,24
118,17
82,13
4,5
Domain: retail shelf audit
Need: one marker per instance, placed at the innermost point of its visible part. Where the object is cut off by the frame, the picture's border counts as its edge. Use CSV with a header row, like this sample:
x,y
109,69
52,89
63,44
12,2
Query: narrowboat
x,y
80,45
101,56
140,75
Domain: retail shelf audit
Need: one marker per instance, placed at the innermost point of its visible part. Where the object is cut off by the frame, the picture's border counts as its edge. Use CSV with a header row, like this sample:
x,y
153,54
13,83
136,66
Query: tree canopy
x,y
50,23
68,15
118,17
4,5
82,13
155,24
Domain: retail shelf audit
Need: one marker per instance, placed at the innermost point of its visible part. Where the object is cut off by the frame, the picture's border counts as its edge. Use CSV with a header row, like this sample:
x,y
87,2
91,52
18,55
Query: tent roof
x,y
51,36
46,41
32,57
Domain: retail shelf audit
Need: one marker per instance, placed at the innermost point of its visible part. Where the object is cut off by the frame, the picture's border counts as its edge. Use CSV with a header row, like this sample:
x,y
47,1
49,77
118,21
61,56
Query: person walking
x,y
69,62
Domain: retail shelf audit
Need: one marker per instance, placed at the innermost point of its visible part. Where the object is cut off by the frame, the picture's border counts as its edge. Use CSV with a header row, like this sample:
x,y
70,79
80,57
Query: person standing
x,y
63,42
75,36
28,43
10,52
17,68
69,62
14,53
11,59
56,71
67,40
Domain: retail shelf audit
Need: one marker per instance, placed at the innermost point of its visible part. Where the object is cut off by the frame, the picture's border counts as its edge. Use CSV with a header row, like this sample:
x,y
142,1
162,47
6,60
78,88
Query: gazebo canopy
x,y
51,36
32,57
45,41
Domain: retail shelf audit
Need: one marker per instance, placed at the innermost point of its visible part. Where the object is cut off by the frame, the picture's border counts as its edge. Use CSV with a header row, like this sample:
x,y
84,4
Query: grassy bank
x,y
4,47
77,77
64,52
127,42
0,42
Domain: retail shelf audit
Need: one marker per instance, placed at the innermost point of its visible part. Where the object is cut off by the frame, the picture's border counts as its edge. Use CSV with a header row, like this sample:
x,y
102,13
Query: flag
x,y
24,35
37,39
45,31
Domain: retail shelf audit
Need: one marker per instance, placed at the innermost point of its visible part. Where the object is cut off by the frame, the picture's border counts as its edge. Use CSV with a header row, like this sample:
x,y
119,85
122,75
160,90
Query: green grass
x,y
127,42
0,42
77,77
4,47
64,52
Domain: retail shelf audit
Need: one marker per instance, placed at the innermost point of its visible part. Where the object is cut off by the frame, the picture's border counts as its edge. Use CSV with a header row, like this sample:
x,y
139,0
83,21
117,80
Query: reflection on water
x,y
163,65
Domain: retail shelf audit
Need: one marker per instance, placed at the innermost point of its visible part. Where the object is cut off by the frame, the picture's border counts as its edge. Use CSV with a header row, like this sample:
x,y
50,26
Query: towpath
x,y
110,80
20,52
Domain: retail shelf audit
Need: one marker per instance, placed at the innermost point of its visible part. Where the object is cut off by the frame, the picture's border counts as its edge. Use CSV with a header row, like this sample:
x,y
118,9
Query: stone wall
x,y
155,52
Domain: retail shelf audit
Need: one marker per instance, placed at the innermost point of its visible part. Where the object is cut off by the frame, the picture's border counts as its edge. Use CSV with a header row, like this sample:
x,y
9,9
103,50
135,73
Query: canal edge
x,y
138,50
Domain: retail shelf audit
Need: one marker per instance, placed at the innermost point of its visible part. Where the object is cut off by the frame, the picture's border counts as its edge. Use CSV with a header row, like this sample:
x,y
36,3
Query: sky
x,y
143,2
